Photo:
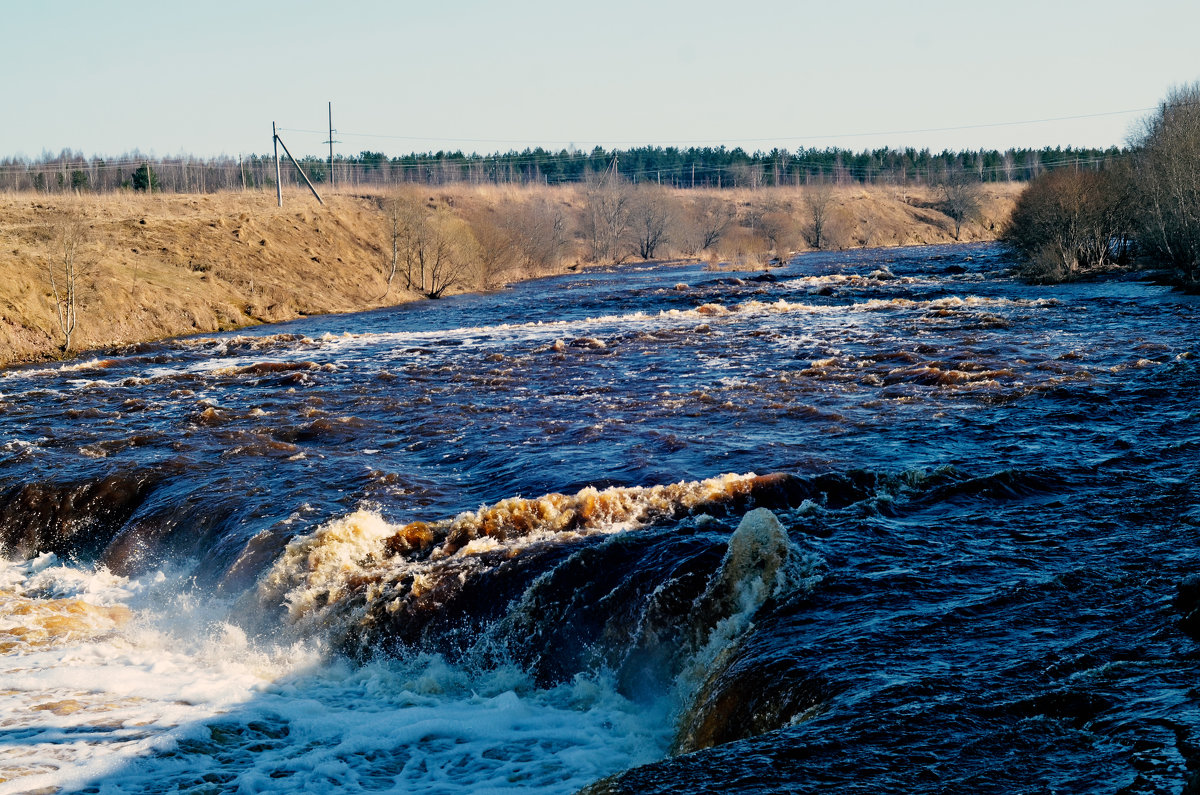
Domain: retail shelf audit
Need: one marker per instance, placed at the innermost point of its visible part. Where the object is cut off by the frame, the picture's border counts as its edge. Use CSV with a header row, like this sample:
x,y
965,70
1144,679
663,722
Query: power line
x,y
811,137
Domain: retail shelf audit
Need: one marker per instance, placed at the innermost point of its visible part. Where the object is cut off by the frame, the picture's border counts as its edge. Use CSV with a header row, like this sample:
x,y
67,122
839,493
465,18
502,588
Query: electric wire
x,y
810,137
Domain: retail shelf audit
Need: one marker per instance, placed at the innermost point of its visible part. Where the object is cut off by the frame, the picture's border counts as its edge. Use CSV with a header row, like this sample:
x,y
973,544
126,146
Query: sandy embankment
x,y
167,265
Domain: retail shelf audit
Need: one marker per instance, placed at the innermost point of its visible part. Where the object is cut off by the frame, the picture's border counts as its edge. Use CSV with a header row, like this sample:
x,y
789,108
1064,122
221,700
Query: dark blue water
x,y
998,481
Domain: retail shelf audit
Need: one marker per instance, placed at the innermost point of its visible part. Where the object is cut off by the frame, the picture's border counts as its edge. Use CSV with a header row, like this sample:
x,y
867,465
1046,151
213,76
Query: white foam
x,y
538,333
179,692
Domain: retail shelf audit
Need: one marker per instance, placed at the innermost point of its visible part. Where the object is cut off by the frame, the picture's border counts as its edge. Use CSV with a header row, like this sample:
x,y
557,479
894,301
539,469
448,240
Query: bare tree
x,y
747,175
394,209
711,217
455,255
1068,221
498,254
65,269
606,222
818,199
778,225
650,214
539,231
743,247
959,190
1008,164
1167,180
518,238
437,250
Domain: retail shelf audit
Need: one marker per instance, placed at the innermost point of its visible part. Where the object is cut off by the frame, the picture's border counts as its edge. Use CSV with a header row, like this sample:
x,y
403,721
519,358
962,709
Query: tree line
x,y
693,167
1143,206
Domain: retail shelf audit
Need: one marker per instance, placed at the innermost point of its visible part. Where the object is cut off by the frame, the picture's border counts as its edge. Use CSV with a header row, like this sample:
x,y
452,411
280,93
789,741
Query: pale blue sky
x,y
209,78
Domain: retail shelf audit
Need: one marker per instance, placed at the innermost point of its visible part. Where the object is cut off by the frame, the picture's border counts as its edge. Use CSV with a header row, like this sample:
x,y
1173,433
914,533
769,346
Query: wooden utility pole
x,y
307,181
278,178
331,142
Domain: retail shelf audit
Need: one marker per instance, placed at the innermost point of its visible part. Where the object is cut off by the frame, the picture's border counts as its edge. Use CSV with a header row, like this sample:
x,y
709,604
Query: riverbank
x,y
165,265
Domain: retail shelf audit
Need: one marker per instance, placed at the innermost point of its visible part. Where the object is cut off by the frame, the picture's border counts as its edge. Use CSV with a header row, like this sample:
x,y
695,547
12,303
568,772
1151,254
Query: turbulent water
x,y
882,520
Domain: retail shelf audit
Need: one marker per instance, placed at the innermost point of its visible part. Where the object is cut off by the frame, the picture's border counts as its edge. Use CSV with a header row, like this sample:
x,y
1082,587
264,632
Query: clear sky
x,y
208,78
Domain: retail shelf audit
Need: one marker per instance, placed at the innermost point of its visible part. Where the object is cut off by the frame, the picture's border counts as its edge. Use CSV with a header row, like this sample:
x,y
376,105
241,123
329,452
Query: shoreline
x,y
165,266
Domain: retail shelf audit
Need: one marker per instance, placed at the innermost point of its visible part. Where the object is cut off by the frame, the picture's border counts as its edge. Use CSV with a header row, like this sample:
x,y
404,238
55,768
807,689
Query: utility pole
x,y
278,184
612,168
331,142
307,181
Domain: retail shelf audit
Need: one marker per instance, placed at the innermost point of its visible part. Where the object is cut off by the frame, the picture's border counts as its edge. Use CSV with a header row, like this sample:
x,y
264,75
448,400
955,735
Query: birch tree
x,y
436,250
64,269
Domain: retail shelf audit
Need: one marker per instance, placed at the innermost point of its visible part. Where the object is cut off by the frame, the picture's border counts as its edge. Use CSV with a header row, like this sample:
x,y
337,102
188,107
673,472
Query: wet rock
x,y
743,696
588,343
70,519
748,698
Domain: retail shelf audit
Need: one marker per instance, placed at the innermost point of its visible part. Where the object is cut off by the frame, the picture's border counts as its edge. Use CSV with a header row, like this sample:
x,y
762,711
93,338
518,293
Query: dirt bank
x,y
166,265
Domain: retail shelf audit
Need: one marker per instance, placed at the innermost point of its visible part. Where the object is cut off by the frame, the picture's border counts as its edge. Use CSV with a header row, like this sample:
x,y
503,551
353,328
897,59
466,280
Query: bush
x,y
1068,222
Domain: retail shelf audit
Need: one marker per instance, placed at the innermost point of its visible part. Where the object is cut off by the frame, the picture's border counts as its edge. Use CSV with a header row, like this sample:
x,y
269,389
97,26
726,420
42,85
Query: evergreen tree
x,y
144,178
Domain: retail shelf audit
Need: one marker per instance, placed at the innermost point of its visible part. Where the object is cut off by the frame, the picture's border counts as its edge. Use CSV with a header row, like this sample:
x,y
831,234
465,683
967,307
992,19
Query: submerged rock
x,y
737,698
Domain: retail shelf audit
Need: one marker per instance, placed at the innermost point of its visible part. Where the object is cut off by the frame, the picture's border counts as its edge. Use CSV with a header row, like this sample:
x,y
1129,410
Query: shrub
x,y
1067,222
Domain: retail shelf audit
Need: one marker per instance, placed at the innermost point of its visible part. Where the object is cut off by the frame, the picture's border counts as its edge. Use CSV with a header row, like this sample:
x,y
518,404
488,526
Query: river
x,y
884,520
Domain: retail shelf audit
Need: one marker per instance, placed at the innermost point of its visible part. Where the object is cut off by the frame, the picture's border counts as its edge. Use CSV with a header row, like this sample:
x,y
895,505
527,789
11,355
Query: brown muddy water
x,y
876,521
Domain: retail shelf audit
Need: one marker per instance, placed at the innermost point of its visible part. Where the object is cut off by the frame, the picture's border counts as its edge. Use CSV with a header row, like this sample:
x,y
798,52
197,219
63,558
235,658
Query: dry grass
x,y
167,265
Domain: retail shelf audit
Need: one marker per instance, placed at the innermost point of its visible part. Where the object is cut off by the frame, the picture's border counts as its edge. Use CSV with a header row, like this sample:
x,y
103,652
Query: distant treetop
x,y
699,167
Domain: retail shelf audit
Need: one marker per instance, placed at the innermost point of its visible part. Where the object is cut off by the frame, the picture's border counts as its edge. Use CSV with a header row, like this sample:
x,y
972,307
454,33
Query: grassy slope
x,y
167,265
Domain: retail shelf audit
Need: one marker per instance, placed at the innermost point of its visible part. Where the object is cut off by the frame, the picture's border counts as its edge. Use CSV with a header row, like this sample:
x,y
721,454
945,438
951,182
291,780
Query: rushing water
x,y
883,520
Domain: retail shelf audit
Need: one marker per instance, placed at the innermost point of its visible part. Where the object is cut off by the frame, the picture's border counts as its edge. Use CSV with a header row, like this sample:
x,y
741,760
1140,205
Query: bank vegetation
x,y
1141,210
